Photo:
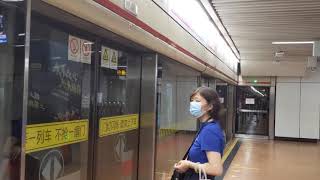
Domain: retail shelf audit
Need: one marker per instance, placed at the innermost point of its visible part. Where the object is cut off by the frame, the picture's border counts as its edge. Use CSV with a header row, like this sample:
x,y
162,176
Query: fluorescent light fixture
x,y
56,57
255,90
19,45
293,42
192,15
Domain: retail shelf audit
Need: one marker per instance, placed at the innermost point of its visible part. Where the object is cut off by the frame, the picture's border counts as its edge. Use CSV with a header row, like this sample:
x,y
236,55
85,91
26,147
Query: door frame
x,y
95,67
25,91
272,99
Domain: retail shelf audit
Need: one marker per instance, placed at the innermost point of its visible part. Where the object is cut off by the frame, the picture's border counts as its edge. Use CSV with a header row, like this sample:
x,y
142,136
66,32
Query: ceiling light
x,y
19,45
255,90
293,42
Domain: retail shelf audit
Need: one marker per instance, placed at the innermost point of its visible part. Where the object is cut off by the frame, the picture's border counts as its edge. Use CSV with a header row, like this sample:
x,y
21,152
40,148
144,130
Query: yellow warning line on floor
x,y
229,149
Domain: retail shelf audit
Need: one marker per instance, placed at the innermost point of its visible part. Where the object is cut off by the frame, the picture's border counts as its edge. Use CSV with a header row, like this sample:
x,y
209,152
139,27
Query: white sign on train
x,y
221,100
250,101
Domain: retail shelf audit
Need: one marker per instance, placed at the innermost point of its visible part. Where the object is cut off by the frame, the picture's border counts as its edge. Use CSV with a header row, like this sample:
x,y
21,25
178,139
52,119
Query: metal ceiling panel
x,y
255,24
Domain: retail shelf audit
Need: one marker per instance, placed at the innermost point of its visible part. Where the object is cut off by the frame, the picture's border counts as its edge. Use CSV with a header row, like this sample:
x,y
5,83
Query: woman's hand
x,y
182,166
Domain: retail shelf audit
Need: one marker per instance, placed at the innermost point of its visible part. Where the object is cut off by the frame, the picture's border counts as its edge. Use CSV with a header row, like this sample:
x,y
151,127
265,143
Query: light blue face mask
x,y
195,109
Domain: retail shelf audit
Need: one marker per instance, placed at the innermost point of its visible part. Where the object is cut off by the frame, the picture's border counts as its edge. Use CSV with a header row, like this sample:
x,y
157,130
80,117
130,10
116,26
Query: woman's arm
x,y
213,167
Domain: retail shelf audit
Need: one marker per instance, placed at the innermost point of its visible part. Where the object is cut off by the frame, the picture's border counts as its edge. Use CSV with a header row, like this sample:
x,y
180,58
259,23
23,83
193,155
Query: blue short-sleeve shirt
x,y
211,138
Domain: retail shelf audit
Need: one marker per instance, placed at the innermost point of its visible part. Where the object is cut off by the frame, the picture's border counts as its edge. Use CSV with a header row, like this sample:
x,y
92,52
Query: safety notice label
x,y
105,57
113,59
50,135
85,51
118,124
74,48
109,58
79,50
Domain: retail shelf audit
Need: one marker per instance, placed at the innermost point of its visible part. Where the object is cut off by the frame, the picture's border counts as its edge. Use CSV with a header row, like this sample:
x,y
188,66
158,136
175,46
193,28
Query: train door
x,y
116,153
222,90
84,111
252,110
60,91
12,38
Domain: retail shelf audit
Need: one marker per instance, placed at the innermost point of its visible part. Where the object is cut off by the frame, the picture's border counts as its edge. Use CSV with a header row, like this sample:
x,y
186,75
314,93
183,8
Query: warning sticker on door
x,y
50,135
74,48
105,53
79,50
118,124
109,58
85,51
113,59
51,166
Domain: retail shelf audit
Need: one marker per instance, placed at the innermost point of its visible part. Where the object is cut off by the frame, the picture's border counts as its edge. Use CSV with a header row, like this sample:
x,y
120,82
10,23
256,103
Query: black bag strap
x,y
194,139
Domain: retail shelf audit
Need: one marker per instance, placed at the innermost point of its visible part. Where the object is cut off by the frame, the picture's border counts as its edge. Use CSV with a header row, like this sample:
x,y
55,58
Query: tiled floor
x,y
276,160
170,150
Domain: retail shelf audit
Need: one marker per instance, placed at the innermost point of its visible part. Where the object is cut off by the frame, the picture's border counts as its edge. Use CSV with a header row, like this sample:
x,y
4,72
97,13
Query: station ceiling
x,y
255,24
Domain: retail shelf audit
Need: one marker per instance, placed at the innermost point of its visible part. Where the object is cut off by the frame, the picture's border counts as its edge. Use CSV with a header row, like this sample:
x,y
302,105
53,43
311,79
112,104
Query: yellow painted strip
x,y
49,135
118,124
228,151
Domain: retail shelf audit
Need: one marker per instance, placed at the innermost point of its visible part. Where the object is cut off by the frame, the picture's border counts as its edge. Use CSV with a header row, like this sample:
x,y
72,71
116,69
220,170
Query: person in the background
x,y
207,150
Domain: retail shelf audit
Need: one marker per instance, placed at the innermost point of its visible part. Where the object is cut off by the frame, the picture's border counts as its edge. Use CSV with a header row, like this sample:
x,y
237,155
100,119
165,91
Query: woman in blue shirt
x,y
207,149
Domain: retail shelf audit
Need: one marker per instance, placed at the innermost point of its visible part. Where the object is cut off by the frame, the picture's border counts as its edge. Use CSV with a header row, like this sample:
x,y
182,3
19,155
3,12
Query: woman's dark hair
x,y
212,97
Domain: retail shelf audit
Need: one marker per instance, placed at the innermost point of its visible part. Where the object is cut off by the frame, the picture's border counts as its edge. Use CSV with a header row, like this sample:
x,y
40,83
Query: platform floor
x,y
276,160
170,150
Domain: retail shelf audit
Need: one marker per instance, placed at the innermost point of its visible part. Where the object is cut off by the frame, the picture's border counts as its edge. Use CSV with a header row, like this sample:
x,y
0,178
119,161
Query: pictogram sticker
x,y
74,48
105,54
86,51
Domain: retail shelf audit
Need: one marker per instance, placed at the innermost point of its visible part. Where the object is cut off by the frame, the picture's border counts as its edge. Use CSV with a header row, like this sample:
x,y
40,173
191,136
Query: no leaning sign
x,y
79,50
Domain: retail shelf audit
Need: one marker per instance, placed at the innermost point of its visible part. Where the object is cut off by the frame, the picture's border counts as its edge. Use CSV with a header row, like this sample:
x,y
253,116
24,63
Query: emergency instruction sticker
x,y
50,135
118,124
